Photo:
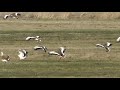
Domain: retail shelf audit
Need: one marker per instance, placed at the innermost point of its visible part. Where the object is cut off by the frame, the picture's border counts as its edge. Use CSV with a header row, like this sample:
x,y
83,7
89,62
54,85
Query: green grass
x,y
60,69
83,58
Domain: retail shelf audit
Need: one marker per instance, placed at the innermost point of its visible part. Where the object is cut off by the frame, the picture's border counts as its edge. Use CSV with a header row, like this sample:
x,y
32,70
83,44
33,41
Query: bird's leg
x,y
60,57
64,56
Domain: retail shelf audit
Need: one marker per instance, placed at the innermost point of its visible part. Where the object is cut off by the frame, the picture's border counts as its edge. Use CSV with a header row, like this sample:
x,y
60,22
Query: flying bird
x,y
22,54
5,58
106,46
60,52
6,16
36,38
15,15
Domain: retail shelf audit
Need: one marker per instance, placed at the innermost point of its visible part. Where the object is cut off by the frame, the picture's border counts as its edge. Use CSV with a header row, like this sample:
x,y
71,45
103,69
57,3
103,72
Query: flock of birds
x,y
61,51
12,15
22,53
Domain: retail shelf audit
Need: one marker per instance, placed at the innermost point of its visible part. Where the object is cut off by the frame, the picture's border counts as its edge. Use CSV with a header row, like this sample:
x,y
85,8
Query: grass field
x,y
83,58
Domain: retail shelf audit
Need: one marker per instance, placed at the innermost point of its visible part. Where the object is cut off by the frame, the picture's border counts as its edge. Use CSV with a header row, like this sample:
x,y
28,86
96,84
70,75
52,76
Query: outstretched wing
x,y
109,44
37,47
28,38
118,39
21,54
40,47
99,45
25,52
62,51
53,53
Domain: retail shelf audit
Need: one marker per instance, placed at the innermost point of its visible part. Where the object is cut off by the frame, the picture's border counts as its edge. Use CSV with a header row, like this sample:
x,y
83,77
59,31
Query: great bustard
x,y
60,52
6,16
40,48
13,15
36,38
22,54
106,46
5,58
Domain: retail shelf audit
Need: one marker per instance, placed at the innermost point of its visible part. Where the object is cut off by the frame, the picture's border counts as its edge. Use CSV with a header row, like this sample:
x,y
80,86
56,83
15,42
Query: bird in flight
x,y
22,54
106,46
60,52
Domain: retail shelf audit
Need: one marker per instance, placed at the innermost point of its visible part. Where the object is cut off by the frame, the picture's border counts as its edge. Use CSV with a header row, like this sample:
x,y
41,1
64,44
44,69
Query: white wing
x,y
100,45
40,47
53,53
16,14
25,52
118,39
28,38
37,47
4,60
108,44
6,16
21,55
62,51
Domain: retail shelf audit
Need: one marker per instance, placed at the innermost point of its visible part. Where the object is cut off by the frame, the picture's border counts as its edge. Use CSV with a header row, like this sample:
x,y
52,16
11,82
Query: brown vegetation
x,y
69,15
